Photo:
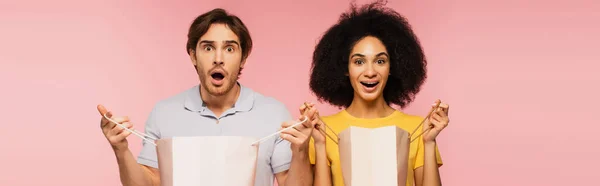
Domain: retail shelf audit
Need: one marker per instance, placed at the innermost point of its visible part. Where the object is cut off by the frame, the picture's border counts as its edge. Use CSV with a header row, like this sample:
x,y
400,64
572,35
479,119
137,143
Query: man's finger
x,y
117,129
291,139
105,124
123,135
292,131
120,137
287,136
101,109
286,124
121,119
301,118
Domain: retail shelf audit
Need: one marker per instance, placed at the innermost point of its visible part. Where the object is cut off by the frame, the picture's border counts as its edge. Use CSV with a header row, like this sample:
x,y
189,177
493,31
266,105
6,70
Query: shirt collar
x,y
245,101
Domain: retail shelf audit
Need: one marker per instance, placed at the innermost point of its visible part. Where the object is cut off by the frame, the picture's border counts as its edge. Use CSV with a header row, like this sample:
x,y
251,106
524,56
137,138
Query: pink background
x,y
521,79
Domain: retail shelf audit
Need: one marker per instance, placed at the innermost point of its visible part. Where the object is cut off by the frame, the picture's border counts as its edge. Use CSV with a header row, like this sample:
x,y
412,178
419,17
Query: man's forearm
x,y
300,173
431,175
132,173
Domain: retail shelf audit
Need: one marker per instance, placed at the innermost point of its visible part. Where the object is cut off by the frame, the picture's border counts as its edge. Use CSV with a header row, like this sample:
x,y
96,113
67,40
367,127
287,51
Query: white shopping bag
x,y
376,156
207,160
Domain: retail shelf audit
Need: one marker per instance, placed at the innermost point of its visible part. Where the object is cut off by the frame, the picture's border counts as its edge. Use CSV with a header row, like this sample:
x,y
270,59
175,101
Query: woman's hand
x,y
308,109
437,122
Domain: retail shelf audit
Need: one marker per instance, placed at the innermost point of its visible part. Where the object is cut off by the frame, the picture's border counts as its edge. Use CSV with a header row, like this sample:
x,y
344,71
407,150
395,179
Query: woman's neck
x,y
369,109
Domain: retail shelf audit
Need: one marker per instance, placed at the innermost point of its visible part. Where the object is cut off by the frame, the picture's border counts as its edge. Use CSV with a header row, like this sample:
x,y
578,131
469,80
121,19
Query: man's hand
x,y
116,136
299,136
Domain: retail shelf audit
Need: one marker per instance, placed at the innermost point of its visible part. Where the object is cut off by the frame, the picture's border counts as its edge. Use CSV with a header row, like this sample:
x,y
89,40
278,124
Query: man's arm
x,y
134,174
300,172
131,173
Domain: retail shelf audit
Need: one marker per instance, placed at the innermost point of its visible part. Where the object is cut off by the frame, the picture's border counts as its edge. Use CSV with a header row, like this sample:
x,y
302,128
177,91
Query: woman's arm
x,y
322,168
428,174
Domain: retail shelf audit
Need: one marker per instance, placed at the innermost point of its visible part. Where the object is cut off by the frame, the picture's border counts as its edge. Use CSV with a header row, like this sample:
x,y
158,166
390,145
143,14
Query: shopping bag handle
x,y
437,105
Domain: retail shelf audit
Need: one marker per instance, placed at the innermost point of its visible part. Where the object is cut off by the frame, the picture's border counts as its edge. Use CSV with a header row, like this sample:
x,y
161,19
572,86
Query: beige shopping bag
x,y
374,156
209,160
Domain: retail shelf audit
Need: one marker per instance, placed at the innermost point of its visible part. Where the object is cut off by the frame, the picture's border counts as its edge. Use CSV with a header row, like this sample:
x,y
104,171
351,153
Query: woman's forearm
x,y
431,174
322,169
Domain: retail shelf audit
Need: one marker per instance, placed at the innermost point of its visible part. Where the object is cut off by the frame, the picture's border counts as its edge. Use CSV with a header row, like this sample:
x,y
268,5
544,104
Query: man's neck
x,y
219,104
369,109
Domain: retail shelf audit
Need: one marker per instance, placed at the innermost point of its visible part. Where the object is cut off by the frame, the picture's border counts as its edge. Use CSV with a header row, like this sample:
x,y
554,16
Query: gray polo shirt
x,y
253,115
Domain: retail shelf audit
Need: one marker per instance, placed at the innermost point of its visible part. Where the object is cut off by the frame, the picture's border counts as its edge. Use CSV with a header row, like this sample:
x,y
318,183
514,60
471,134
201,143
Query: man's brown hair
x,y
219,16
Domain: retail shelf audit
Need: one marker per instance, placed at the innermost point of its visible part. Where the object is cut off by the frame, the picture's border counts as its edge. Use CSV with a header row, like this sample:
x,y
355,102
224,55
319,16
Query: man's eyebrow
x,y
231,42
206,41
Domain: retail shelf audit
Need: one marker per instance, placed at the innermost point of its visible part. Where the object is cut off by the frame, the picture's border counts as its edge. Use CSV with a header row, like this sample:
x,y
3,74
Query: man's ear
x,y
243,63
193,57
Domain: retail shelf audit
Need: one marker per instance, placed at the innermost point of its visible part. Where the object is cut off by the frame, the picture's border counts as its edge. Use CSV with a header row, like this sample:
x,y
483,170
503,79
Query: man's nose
x,y
218,58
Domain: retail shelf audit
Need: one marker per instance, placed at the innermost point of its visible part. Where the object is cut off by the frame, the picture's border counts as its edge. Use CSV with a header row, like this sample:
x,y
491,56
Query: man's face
x,y
218,59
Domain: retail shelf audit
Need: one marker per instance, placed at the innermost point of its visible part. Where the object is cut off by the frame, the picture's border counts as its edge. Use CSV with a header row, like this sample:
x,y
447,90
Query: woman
x,y
365,63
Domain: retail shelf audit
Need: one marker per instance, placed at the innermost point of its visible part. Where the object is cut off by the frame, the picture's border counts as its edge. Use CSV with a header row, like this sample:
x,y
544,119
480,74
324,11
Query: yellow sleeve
x,y
311,151
420,157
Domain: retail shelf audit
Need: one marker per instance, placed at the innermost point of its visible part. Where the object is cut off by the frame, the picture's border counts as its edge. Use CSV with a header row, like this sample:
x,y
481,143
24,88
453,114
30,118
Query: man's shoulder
x,y
174,101
268,102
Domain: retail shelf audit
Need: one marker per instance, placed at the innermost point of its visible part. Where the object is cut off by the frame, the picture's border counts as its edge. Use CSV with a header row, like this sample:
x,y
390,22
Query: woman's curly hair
x,y
328,79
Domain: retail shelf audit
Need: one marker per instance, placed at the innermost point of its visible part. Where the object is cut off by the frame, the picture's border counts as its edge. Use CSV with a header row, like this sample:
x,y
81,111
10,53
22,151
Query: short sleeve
x,y
420,157
282,152
148,155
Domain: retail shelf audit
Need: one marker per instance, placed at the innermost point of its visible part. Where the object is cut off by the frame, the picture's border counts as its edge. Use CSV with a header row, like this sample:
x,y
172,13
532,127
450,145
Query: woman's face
x,y
368,68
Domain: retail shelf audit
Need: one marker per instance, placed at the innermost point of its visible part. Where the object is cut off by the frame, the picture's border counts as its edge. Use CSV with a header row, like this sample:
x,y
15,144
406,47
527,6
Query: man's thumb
x,y
101,109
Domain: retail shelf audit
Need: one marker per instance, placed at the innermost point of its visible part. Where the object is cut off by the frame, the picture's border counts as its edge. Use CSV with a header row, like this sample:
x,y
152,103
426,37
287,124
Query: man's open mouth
x,y
217,75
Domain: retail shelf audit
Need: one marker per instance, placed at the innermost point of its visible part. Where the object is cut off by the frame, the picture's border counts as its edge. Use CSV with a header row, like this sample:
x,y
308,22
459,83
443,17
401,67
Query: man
x,y
218,45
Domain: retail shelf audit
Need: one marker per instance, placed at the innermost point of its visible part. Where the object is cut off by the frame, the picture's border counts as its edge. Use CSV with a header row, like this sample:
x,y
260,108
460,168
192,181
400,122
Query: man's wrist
x,y
120,153
299,153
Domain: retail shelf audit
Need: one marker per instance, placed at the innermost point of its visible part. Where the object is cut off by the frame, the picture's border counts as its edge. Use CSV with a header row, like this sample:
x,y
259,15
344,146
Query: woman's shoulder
x,y
408,121
408,117
334,118
337,121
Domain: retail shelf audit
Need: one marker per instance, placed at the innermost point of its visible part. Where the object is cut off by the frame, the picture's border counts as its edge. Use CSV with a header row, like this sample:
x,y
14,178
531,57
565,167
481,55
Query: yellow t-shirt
x,y
342,120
